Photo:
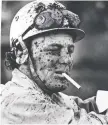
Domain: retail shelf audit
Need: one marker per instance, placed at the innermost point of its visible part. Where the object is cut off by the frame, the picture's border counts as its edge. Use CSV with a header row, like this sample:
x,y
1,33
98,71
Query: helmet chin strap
x,y
34,75
37,80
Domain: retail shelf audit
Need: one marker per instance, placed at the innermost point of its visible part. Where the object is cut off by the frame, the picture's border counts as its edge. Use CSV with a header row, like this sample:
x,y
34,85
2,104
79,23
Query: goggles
x,y
54,18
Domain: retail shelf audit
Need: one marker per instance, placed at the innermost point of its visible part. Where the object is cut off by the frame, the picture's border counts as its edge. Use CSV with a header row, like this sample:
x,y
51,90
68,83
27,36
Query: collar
x,y
22,80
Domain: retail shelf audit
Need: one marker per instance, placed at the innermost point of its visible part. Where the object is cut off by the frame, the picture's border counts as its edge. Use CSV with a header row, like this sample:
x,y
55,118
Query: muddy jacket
x,y
23,102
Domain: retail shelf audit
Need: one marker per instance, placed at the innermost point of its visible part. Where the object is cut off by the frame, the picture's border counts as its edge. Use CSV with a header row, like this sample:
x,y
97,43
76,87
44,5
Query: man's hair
x,y
10,60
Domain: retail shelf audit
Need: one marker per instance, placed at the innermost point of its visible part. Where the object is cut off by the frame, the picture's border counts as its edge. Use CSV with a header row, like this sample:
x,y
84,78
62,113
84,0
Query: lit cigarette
x,y
71,80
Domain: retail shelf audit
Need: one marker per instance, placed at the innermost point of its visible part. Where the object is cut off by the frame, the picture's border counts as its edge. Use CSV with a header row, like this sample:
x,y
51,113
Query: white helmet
x,y
43,16
38,17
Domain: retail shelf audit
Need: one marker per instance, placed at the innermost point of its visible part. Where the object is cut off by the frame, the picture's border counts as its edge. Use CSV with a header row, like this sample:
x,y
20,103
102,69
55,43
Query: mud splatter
x,y
16,18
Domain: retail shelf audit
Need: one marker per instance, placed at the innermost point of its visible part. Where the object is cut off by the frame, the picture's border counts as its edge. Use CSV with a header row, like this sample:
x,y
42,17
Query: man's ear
x,y
21,56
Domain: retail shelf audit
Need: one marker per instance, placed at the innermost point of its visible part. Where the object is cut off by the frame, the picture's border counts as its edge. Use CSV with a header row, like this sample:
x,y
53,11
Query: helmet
x,y
43,16
38,17
35,18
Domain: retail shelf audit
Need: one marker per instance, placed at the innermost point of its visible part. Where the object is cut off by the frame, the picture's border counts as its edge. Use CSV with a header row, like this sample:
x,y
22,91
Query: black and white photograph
x,y
54,62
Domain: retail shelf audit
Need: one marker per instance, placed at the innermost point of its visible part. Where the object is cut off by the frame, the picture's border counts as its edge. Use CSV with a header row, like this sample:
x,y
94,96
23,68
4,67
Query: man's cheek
x,y
47,61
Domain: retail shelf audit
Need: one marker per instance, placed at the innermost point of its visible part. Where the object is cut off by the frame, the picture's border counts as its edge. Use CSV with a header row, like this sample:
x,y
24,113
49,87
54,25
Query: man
x,y
42,38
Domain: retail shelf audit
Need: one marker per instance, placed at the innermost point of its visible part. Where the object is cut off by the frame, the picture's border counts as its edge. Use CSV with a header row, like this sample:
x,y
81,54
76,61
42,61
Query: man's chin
x,y
63,82
57,84
60,86
57,89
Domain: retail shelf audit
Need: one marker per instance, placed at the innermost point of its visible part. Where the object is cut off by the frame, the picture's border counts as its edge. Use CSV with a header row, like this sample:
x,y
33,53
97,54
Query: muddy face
x,y
52,55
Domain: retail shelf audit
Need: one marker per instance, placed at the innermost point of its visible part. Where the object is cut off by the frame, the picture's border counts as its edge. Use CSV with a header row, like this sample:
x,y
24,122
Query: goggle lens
x,y
49,19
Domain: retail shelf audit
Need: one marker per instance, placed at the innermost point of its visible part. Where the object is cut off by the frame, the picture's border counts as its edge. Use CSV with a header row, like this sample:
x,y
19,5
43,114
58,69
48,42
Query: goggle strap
x,y
28,29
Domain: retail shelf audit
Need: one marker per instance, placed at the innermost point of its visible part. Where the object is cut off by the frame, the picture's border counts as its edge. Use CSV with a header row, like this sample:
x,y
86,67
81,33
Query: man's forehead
x,y
59,38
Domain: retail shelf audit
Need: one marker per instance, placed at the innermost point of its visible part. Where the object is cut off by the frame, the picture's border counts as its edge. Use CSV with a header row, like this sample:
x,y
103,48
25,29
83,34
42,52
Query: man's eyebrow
x,y
55,44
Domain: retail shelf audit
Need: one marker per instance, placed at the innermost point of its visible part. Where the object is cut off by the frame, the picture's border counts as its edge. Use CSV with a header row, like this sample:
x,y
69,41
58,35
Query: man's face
x,y
52,55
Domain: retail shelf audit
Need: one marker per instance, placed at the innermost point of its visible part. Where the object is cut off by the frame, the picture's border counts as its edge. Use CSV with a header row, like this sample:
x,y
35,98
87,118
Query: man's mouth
x,y
58,74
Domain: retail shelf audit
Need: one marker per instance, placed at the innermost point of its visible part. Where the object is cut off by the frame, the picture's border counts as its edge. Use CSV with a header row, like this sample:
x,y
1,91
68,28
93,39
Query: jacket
x,y
23,102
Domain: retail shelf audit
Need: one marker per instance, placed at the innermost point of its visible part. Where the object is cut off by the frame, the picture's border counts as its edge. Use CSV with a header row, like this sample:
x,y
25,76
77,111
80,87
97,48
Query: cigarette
x,y
71,80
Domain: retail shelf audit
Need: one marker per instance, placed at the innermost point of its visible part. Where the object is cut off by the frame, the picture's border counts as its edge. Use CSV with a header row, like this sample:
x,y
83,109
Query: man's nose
x,y
65,56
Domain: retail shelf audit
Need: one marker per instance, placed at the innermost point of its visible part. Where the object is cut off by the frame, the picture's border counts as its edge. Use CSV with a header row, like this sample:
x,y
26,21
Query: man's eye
x,y
53,51
52,48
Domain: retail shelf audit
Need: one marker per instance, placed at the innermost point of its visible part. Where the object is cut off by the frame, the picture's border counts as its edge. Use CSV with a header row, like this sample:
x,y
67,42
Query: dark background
x,y
91,54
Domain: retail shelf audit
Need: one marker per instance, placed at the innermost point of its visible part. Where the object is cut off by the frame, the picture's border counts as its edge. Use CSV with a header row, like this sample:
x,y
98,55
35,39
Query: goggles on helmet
x,y
54,18
49,18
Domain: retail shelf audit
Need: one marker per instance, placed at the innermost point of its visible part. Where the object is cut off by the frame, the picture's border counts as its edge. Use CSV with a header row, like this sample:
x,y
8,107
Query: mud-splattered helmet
x,y
42,16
